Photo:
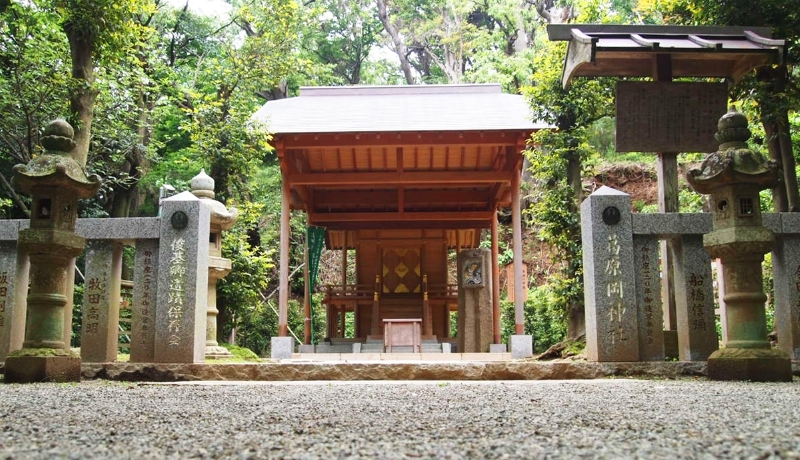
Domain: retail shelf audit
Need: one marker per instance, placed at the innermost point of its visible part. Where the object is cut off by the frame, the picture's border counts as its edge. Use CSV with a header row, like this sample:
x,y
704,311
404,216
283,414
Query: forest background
x,y
157,93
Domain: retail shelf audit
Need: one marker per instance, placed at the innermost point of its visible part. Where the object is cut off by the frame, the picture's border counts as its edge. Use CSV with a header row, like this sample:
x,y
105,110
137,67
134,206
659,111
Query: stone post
x,y
56,182
183,286
612,323
221,219
101,297
694,300
474,301
648,296
143,306
13,290
786,268
733,176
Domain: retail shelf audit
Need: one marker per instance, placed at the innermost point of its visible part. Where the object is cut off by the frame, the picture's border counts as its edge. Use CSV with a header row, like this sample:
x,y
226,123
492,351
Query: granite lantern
x,y
733,176
221,219
56,181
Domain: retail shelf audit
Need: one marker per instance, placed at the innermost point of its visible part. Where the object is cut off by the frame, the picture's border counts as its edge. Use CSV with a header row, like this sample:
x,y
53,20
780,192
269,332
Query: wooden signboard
x,y
669,117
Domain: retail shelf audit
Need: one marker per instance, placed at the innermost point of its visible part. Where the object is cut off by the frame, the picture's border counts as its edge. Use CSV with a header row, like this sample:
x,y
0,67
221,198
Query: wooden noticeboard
x,y
510,281
669,117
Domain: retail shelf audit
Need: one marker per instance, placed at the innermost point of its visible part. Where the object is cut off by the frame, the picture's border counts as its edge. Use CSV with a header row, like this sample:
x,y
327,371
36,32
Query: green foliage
x,y
241,353
545,319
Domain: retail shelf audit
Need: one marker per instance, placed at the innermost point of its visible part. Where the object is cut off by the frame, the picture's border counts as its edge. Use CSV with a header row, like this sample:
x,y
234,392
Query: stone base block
x,y
306,348
31,369
521,346
357,347
671,345
217,352
497,348
446,347
753,364
282,347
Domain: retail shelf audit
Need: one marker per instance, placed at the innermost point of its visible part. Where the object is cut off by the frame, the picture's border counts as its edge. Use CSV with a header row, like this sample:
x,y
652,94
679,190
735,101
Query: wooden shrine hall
x,y
399,176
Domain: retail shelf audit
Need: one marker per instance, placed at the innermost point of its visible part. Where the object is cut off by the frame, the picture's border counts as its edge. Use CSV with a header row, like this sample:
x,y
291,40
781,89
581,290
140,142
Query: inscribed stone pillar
x,y
786,267
648,298
143,308
694,300
13,290
101,298
612,331
474,301
183,288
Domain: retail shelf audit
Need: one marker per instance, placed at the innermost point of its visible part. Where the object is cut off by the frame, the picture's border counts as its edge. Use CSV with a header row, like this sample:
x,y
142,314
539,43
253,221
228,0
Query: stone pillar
x,y
221,219
648,298
612,320
474,301
694,300
183,288
733,176
13,290
143,307
786,268
56,182
101,298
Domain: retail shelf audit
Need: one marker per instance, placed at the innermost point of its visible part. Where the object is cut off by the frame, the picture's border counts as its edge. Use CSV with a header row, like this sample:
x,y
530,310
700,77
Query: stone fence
x,y
622,281
170,270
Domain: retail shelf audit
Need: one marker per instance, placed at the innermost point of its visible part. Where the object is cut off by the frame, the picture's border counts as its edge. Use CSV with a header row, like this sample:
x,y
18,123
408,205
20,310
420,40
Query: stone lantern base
x,y
32,369
754,364
217,352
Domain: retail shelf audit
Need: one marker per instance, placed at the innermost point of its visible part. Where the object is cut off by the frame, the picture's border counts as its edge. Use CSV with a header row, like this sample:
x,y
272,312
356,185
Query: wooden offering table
x,y
402,333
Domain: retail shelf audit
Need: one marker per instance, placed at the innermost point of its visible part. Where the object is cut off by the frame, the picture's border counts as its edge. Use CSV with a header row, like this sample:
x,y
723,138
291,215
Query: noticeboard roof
x,y
597,50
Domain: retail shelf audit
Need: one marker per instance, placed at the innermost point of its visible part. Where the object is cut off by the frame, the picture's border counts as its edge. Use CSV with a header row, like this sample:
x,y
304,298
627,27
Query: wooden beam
x,y
388,179
300,141
411,225
327,198
436,216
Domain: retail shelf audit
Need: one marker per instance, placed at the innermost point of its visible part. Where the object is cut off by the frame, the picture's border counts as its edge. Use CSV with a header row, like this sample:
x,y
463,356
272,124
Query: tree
x,y
774,88
33,88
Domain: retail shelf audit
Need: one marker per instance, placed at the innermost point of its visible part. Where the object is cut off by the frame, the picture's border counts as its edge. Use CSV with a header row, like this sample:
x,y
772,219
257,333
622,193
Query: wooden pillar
x,y
516,219
344,279
283,292
667,172
495,281
306,296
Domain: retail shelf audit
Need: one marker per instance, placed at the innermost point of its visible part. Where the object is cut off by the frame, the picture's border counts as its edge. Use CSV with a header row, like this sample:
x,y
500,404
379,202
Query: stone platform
x,y
299,370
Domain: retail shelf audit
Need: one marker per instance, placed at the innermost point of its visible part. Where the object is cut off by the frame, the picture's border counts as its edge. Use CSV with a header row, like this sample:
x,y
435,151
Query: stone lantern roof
x,y
56,167
203,187
734,163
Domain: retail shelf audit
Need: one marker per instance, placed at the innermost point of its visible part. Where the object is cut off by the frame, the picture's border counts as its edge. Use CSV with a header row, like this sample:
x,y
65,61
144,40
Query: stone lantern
x,y
221,219
56,182
733,176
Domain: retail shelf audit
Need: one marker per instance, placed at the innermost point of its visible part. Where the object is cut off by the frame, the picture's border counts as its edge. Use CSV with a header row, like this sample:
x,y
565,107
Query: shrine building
x,y
400,177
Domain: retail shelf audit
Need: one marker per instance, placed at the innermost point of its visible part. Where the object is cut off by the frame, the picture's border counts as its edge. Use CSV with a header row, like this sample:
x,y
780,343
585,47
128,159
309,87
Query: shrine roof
x,y
695,51
409,108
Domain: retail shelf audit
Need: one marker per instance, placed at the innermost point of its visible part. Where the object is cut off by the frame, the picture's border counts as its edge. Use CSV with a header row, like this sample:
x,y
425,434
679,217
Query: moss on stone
x,y
44,352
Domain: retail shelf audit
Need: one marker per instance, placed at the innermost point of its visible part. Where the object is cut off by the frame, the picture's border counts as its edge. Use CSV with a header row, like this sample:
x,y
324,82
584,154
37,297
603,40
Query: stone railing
x,y
622,281
168,318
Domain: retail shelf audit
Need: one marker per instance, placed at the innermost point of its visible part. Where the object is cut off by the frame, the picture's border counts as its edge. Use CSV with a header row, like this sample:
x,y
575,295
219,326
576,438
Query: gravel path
x,y
448,420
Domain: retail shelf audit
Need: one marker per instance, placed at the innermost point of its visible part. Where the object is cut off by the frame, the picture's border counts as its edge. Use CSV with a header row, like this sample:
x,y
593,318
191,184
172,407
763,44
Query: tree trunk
x,y
780,201
577,311
789,170
397,40
82,99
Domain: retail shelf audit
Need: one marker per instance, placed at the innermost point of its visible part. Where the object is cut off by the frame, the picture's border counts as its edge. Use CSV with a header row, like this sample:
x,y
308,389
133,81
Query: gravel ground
x,y
543,419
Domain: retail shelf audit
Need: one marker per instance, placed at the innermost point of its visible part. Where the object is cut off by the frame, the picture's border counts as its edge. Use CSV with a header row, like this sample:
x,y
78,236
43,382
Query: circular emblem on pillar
x,y
611,215
179,220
